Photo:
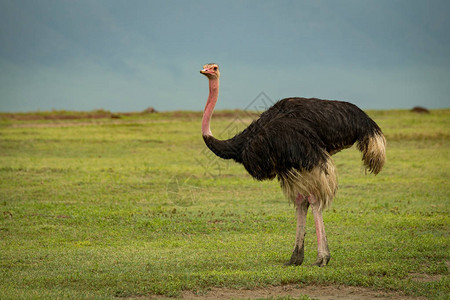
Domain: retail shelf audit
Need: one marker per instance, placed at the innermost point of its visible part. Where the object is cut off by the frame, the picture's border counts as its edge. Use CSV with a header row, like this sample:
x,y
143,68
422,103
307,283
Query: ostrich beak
x,y
206,71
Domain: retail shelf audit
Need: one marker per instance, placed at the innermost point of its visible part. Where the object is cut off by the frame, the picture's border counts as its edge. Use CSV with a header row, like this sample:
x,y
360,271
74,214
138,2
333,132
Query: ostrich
x,y
293,140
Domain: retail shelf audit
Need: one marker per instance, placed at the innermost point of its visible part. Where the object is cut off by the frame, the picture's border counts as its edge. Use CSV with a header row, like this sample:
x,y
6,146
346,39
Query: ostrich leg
x,y
302,209
323,254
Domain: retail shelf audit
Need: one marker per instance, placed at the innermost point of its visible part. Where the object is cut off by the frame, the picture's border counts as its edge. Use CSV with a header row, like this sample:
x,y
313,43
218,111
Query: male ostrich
x,y
293,141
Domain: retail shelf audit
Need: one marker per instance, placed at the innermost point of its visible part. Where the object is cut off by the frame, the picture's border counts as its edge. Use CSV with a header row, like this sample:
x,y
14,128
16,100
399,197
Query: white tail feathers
x,y
373,150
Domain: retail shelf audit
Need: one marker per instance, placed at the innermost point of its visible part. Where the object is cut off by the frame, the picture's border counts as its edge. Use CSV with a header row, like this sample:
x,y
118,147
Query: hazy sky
x,y
128,55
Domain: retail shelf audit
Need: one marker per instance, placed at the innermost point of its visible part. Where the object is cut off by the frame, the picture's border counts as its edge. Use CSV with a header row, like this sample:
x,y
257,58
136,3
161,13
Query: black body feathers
x,y
297,133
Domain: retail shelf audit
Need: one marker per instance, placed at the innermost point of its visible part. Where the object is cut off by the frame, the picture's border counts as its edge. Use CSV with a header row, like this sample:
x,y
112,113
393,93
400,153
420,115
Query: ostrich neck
x,y
209,107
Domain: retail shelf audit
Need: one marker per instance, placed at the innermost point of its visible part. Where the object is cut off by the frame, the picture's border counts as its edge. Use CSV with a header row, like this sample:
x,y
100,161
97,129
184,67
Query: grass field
x,y
134,205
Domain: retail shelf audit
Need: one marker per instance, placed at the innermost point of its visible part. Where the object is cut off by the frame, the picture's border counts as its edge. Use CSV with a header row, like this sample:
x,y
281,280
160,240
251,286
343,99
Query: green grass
x,y
129,207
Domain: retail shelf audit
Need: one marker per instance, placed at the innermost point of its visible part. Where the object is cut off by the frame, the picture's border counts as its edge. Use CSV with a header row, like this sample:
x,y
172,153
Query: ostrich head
x,y
211,71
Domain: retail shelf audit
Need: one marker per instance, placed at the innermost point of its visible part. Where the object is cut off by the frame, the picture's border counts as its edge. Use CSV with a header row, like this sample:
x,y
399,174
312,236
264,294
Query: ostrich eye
x,y
215,68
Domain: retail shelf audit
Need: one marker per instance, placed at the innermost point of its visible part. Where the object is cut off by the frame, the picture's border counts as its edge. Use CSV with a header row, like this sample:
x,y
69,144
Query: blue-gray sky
x,y
129,55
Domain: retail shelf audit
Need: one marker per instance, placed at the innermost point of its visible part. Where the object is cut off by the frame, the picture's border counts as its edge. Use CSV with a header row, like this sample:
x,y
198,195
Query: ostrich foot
x,y
297,257
322,260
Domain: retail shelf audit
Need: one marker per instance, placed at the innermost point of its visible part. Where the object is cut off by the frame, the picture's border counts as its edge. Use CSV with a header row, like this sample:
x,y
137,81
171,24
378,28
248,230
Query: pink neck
x,y
210,104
